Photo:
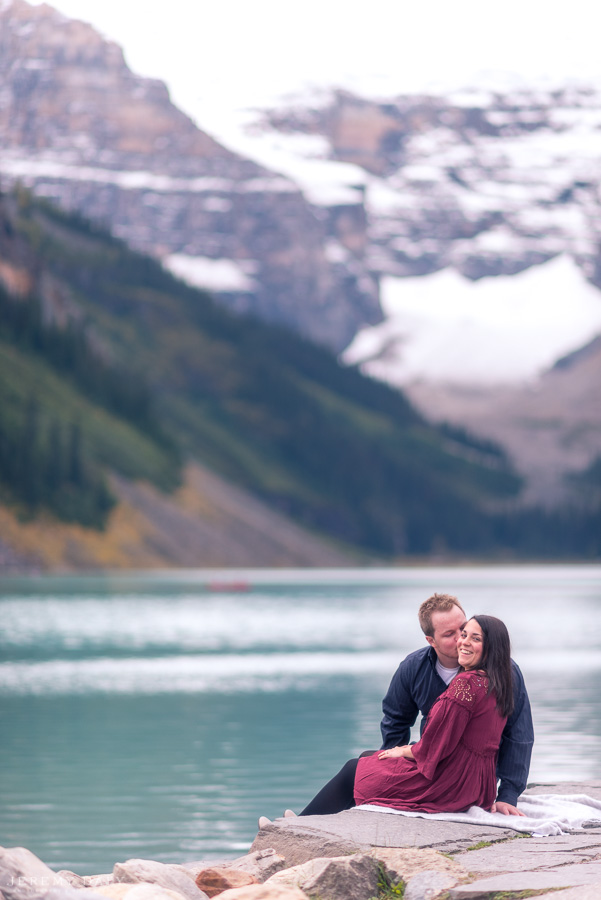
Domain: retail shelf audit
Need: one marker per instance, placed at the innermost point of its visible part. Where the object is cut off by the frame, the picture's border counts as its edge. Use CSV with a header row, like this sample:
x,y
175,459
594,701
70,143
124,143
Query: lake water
x,y
157,715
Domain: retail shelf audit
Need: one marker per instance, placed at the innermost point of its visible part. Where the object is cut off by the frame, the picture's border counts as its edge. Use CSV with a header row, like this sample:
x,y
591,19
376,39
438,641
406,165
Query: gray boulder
x,y
337,878
265,891
261,864
85,881
96,881
147,871
401,864
142,891
23,876
428,885
70,893
75,880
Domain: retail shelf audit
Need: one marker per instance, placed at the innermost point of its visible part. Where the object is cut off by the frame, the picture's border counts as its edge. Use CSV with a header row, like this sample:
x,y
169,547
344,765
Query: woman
x,y
453,766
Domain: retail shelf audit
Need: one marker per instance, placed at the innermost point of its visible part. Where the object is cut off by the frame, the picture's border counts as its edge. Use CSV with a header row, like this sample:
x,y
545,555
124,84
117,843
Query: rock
x,y
169,189
295,876
265,891
261,864
76,881
530,854
298,840
402,864
582,892
153,892
340,878
428,885
563,876
70,893
590,788
115,891
145,891
358,831
215,880
172,878
85,881
24,877
94,881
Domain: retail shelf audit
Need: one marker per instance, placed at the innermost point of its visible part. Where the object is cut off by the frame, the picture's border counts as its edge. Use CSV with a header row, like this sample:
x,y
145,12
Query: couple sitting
x,y
476,725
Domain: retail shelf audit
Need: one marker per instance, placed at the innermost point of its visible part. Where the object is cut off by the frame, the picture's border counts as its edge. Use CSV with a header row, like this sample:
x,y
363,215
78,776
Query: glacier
x,y
497,330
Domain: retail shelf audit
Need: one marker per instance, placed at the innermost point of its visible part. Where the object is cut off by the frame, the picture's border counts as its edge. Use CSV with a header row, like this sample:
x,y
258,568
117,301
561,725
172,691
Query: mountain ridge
x,y
80,128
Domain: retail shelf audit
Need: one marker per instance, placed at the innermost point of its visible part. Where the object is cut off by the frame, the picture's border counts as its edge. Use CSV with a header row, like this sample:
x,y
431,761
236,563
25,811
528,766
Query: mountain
x,y
482,212
134,407
325,201
488,182
79,127
352,221
483,220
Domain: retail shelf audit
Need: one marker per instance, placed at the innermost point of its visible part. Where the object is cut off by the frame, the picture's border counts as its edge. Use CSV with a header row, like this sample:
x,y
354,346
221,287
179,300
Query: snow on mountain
x,y
483,219
443,327
304,158
221,275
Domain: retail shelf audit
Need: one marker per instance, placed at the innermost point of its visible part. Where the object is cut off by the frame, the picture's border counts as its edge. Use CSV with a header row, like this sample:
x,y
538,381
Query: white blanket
x,y
544,814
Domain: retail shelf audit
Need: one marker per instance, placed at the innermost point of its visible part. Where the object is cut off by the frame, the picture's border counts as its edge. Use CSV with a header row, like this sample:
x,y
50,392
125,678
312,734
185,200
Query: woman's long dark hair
x,y
496,661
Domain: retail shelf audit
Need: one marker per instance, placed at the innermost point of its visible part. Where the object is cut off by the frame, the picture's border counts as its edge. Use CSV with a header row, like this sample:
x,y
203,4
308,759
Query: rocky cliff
x,y
78,126
489,182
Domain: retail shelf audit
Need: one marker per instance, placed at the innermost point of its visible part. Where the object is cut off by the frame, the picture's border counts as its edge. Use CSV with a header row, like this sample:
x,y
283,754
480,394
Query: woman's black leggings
x,y
336,795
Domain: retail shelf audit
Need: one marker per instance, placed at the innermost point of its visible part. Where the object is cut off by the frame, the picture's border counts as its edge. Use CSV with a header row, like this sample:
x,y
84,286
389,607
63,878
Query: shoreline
x,y
355,855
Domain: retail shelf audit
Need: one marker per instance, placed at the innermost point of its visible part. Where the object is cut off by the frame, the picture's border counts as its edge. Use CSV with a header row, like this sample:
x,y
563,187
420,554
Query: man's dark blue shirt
x,y
415,686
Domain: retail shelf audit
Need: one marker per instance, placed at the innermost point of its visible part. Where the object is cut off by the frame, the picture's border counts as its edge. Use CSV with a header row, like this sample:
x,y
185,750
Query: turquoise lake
x,y
159,714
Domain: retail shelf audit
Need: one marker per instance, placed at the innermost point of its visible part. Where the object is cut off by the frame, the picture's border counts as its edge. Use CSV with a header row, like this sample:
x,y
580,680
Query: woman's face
x,y
470,645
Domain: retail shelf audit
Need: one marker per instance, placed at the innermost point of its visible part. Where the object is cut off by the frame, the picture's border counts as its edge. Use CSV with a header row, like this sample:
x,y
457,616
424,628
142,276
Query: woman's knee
x,y
349,768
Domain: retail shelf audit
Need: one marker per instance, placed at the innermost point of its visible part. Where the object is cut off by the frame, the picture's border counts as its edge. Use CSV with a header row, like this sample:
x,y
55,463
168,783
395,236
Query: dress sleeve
x,y
446,723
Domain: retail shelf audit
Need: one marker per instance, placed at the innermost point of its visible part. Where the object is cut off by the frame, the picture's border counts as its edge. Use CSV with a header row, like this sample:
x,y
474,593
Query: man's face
x,y
447,627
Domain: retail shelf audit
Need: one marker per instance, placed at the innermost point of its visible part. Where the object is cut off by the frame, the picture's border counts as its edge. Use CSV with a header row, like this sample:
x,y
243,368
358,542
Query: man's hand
x,y
505,809
396,751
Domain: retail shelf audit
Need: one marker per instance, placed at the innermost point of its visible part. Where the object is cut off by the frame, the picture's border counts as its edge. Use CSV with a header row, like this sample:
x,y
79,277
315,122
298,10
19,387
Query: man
x,y
419,680
425,674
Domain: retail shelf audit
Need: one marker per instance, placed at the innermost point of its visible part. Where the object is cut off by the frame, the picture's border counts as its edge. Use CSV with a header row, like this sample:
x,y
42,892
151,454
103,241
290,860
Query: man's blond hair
x,y
436,603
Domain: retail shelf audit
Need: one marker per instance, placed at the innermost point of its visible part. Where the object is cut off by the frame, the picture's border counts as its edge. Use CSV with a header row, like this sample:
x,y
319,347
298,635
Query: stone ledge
x,y
353,831
302,838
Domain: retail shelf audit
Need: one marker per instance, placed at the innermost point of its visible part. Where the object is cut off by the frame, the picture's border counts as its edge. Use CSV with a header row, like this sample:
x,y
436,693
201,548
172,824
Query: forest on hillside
x,y
108,363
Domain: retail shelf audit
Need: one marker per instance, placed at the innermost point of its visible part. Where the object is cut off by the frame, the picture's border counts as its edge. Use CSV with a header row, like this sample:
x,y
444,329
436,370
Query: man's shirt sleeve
x,y
399,709
513,763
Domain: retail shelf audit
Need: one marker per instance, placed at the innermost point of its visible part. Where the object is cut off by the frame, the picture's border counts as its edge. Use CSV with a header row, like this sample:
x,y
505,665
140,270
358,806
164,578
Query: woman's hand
x,y
395,752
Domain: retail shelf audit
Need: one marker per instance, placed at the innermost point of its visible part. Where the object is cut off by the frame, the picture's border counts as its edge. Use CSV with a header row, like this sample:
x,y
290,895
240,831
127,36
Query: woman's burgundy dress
x,y
455,760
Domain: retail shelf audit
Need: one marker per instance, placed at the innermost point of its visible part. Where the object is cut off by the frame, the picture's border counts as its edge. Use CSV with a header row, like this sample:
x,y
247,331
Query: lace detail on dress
x,y
466,688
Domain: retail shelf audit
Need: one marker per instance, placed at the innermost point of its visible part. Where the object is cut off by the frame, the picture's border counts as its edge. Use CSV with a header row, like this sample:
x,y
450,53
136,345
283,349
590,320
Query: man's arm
x,y
513,762
399,708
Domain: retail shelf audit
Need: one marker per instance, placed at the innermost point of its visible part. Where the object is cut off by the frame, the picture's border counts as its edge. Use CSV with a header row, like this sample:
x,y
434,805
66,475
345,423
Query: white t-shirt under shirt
x,y
447,675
